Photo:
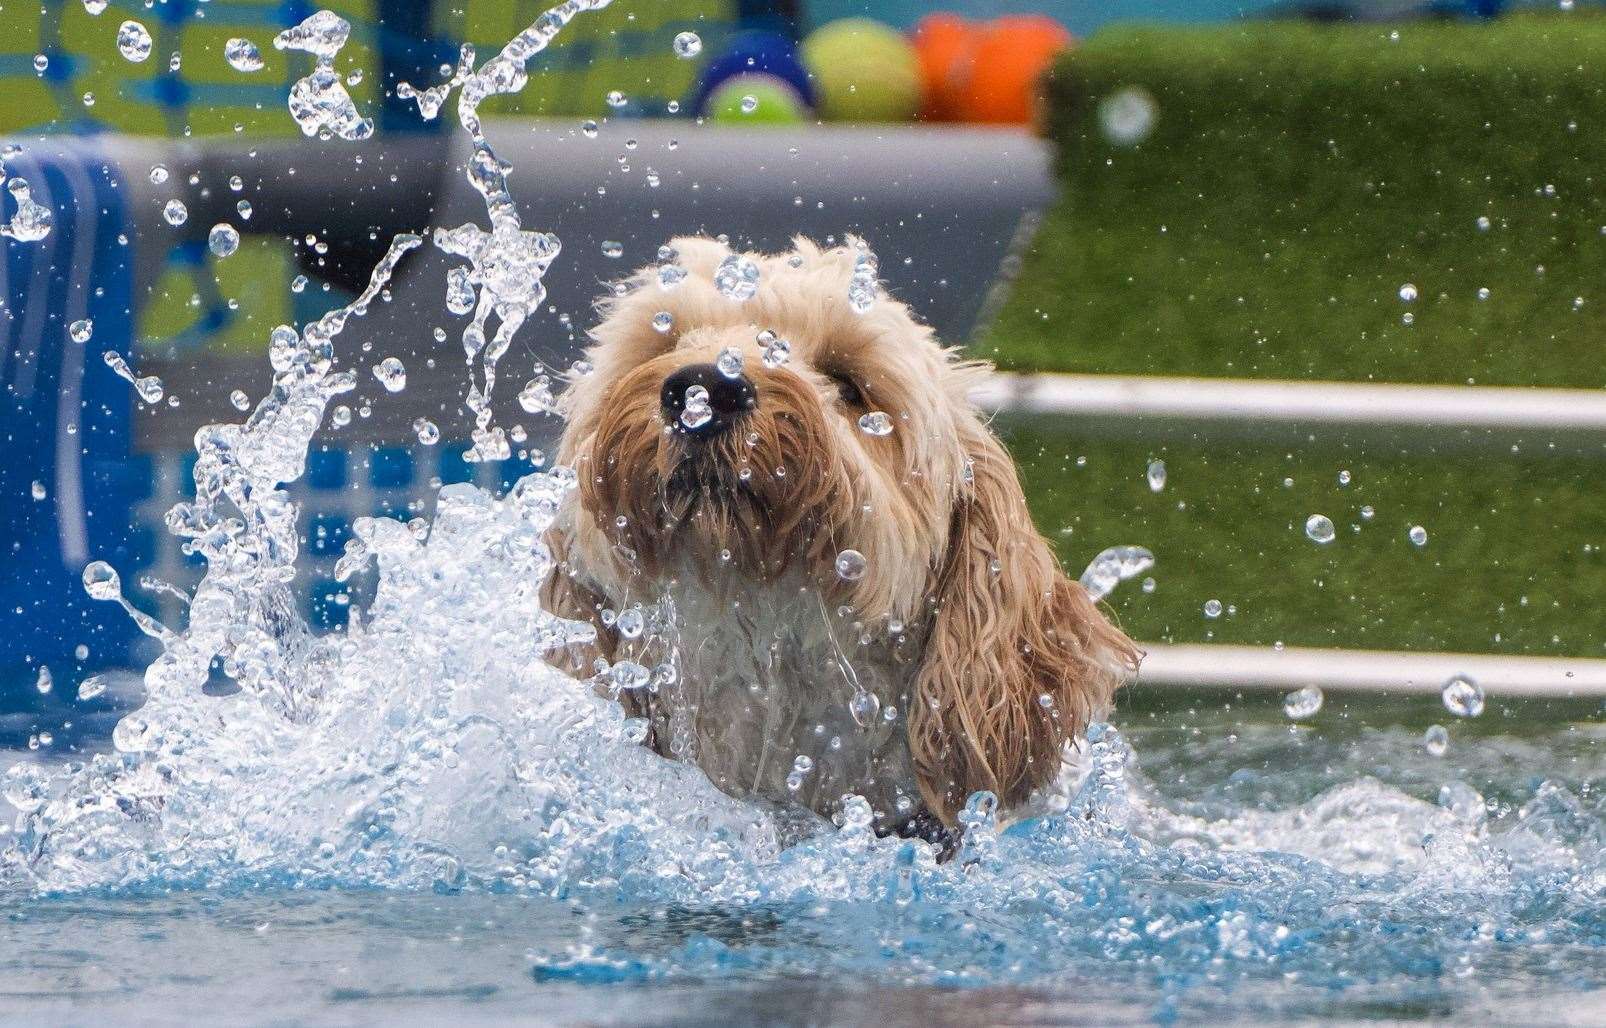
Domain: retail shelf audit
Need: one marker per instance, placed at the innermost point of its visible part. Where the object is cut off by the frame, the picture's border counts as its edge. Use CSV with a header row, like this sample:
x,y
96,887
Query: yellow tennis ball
x,y
862,71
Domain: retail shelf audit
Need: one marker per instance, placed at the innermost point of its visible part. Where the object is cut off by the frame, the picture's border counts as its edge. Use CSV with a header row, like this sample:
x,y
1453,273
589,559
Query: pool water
x,y
1217,863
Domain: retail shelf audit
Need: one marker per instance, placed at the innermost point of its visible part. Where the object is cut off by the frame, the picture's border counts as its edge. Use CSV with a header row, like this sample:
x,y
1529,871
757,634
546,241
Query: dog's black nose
x,y
702,400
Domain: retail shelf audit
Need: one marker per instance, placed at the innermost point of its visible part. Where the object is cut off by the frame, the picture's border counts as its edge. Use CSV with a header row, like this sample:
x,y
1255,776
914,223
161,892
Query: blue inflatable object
x,y
68,478
753,51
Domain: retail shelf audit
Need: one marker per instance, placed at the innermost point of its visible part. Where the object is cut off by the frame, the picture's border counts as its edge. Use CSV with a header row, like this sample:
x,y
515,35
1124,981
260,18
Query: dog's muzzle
x,y
726,401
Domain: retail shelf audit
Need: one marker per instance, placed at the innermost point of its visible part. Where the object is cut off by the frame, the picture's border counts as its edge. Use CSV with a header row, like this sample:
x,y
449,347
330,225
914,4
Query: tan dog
x,y
961,659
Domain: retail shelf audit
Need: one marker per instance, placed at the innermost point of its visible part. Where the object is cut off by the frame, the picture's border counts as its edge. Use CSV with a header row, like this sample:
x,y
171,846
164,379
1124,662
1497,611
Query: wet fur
x,y
964,623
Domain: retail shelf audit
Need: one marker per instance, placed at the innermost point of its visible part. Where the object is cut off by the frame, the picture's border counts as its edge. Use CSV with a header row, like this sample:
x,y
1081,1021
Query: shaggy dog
x,y
730,448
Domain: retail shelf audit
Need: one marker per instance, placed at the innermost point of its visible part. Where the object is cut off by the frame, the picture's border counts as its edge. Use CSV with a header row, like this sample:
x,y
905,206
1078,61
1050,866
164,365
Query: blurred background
x,y
1147,211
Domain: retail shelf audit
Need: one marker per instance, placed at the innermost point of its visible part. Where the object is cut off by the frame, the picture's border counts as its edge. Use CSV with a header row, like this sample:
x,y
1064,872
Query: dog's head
x,y
756,436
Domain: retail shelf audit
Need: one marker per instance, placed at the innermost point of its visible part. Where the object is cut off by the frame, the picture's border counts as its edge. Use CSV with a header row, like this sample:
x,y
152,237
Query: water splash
x,y
31,220
318,101
1114,566
149,387
430,745
506,263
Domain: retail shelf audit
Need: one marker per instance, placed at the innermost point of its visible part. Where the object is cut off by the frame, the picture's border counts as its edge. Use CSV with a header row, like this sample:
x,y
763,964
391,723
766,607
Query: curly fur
x,y
964,623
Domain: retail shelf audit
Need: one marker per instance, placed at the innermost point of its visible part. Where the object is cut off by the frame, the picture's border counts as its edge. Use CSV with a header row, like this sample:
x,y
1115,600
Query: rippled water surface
x,y
1230,867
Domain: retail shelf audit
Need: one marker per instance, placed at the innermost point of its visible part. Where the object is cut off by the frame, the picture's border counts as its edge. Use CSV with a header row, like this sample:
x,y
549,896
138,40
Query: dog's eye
x,y
848,389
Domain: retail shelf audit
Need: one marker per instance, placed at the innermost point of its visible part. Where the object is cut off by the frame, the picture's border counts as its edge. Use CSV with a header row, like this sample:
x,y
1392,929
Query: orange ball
x,y
1008,63
944,43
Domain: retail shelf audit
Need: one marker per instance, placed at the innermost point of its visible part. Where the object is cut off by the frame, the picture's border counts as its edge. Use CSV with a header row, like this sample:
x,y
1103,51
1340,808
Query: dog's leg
x,y
928,827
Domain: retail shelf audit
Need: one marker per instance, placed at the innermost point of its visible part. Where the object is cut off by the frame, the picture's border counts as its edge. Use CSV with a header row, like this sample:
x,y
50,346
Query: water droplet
x,y
242,55
95,7
737,277
851,565
864,706
45,681
1407,293
427,431
631,623
1127,116
1212,609
1418,535
1367,513
149,387
613,248
91,687
244,207
616,99
37,490
392,374
223,240
1436,740
1483,223
1156,475
133,42
670,276
40,63
663,321
628,675
158,174
1462,696
175,213
240,400
1344,477
730,362
696,413
777,352
1319,527
1303,703
688,45
536,396
1463,801
101,581
876,423
31,220
81,330
1114,566
864,284
319,102
749,103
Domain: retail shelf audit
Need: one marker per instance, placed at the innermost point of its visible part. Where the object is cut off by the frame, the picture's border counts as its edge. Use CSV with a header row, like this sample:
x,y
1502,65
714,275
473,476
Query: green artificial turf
x,y
1513,562
1297,176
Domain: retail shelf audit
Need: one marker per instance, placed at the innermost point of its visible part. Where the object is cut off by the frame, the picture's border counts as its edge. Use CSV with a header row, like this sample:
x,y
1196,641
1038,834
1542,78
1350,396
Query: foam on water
x,y
430,744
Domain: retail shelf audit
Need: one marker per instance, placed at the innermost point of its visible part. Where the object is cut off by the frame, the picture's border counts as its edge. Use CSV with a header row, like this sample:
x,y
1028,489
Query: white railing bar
x,y
1262,667
1304,403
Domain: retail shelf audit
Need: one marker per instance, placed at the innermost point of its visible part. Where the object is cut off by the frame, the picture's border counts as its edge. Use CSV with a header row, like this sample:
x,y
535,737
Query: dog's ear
x,y
1018,658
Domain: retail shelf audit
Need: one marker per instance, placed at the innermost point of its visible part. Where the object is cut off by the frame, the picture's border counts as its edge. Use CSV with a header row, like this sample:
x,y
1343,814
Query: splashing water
x,y
506,263
149,387
319,102
430,745
864,285
31,220
1114,566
